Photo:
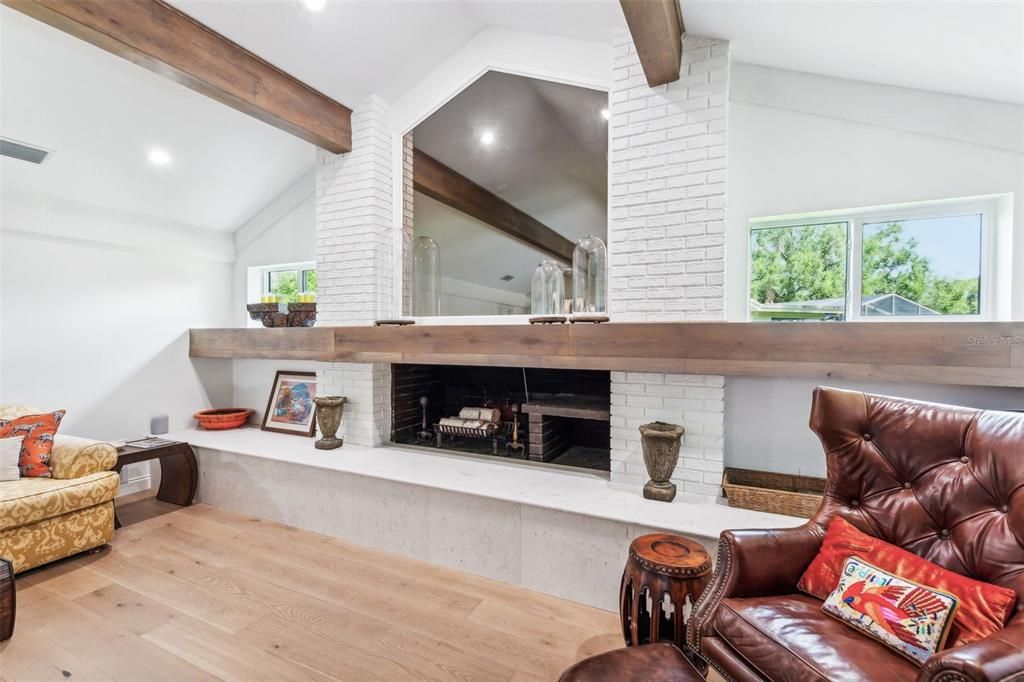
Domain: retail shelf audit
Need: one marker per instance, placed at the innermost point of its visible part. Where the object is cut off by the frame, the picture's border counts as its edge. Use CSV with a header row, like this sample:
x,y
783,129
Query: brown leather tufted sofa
x,y
944,482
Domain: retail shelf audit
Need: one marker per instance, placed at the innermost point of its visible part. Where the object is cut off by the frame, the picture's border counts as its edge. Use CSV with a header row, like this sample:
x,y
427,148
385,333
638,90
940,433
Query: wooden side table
x,y
179,472
660,565
7,599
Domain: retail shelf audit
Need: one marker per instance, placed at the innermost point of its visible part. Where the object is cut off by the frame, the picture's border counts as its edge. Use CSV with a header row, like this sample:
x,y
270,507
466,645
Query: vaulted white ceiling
x,y
99,114
973,48
352,48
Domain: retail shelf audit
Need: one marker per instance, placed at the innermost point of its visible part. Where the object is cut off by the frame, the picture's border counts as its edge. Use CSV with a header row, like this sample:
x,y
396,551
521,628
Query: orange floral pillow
x,y
38,431
984,608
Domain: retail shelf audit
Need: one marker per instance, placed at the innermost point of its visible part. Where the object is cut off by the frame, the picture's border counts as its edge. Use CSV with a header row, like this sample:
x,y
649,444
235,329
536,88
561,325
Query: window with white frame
x,y
930,262
288,281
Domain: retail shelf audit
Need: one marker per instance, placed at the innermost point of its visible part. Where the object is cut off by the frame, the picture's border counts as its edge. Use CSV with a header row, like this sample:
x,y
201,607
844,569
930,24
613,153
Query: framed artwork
x,y
291,408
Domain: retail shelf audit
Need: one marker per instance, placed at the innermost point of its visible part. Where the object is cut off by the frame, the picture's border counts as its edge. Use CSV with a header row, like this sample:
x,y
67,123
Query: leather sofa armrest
x,y
999,657
753,563
74,457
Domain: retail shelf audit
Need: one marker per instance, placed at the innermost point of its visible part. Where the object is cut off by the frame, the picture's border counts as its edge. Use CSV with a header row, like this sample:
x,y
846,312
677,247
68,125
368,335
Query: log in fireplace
x,y
557,415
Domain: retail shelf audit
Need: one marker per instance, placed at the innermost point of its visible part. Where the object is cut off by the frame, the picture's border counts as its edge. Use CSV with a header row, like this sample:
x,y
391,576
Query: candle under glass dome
x,y
426,276
590,276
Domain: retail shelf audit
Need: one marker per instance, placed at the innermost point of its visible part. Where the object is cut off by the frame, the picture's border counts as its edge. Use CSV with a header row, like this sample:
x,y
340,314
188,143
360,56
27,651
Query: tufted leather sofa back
x,y
944,482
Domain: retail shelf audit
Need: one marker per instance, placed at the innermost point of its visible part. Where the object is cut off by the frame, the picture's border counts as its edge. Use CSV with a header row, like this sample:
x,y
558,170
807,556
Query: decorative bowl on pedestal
x,y
301,314
273,315
268,313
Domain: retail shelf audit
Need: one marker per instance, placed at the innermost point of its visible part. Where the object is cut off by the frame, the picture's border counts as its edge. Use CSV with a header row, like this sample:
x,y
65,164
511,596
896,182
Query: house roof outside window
x,y
877,305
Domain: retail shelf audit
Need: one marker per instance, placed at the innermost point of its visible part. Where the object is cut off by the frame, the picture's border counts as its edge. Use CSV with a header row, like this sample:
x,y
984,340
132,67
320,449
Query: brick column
x,y
408,224
666,242
354,241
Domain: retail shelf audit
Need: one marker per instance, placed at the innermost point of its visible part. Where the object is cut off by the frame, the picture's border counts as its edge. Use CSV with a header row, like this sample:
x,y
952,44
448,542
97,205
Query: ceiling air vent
x,y
22,151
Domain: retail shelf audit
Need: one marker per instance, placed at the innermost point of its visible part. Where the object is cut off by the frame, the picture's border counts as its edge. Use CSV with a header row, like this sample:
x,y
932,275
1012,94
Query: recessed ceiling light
x,y
606,114
158,157
314,5
487,137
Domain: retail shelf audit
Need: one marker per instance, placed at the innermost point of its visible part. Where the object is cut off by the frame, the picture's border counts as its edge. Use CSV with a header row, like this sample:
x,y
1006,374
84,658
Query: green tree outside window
x,y
285,283
892,265
807,263
802,263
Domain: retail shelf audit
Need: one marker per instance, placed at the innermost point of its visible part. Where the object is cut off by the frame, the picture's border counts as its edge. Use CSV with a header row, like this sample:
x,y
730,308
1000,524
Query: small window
x,y
927,266
288,281
284,283
921,264
798,272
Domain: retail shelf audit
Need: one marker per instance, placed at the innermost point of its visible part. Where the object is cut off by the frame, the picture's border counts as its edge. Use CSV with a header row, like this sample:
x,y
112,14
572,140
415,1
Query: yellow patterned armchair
x,y
45,519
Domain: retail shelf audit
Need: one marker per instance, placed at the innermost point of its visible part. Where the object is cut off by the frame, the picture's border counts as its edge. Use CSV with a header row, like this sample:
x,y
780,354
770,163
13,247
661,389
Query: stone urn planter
x,y
660,442
328,416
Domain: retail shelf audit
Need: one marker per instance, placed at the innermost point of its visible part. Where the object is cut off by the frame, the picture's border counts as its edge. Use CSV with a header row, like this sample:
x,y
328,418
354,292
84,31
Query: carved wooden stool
x,y
667,571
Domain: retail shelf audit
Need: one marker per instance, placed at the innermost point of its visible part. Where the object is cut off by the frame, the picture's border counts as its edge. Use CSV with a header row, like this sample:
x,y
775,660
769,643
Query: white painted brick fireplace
x,y
667,188
354,238
666,241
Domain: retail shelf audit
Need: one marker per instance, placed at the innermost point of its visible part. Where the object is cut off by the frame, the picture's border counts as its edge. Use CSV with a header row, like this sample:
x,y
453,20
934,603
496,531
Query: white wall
x,y
2,392
459,297
253,379
95,308
766,418
121,293
801,143
283,231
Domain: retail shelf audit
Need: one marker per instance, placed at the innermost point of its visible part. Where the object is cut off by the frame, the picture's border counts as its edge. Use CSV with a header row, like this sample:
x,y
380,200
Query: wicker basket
x,y
770,492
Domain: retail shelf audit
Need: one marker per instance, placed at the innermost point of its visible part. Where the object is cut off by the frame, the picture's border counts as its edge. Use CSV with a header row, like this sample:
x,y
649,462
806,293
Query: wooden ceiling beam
x,y
657,30
164,40
439,182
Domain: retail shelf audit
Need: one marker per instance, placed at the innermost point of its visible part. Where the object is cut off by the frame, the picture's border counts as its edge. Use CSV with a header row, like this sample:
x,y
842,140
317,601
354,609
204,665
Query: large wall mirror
x,y
510,173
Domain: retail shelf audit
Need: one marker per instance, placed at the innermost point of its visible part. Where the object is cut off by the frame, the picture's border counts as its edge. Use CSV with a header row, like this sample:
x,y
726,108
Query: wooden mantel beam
x,y
657,30
439,182
164,40
964,353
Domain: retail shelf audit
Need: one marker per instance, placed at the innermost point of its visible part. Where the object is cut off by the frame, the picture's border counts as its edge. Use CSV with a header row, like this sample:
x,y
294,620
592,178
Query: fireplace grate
x,y
562,420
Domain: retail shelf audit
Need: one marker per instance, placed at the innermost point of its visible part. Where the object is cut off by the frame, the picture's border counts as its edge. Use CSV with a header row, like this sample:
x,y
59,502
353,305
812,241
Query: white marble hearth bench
x,y
488,516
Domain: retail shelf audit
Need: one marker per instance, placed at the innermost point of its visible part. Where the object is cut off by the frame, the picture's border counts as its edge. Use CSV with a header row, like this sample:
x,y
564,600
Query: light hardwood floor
x,y
199,593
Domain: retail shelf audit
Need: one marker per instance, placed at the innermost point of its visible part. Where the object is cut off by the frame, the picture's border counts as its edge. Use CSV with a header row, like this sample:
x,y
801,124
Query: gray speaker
x,y
158,424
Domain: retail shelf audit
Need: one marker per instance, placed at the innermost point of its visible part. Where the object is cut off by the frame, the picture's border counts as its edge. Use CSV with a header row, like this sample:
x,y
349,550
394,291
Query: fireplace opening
x,y
540,415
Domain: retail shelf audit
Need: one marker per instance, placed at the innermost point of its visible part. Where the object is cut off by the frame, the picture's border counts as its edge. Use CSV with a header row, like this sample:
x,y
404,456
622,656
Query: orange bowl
x,y
223,418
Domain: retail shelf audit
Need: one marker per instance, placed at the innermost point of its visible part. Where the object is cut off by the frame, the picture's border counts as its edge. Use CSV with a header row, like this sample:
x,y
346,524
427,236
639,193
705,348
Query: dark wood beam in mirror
x,y
657,30
164,40
439,182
